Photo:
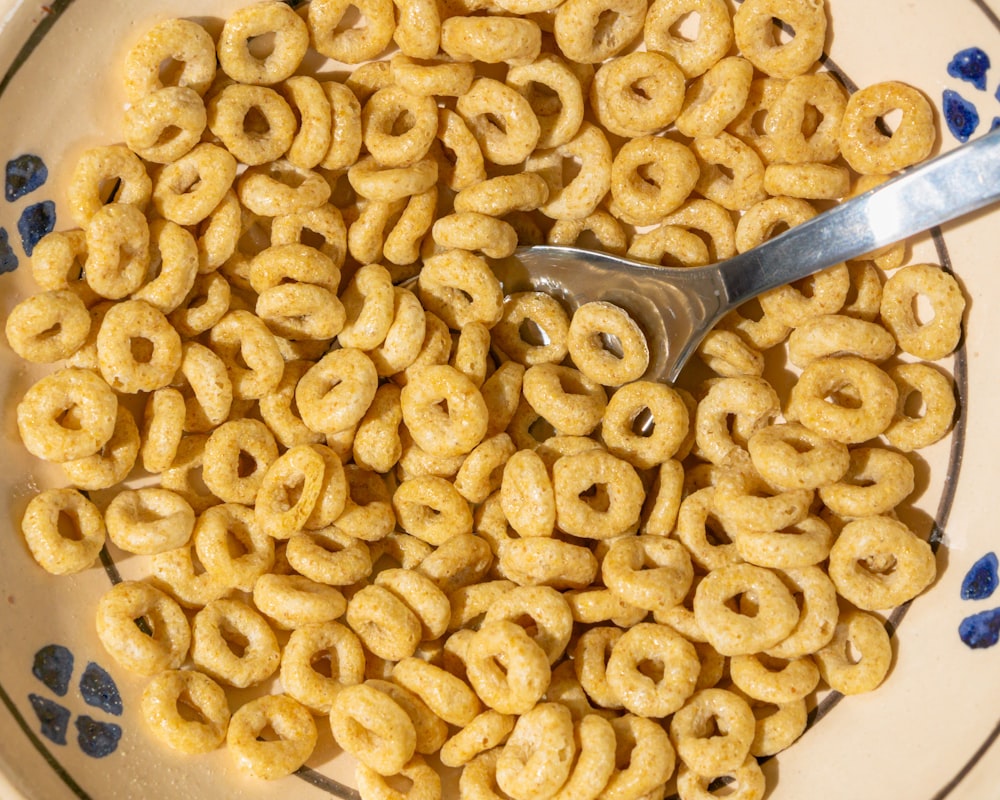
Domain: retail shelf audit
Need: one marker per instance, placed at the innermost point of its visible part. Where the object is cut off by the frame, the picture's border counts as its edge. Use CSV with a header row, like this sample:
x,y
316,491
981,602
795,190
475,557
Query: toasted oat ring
x,y
270,759
506,667
351,46
836,334
541,311
438,78
481,472
649,572
589,326
600,225
459,562
584,35
772,680
291,40
363,497
181,40
853,421
936,390
595,743
425,782
334,394
192,188
161,705
460,160
641,694
645,747
697,521
226,620
575,474
744,499
491,39
48,326
494,238
537,758
329,556
650,177
384,623
432,731
80,392
486,731
280,188
174,257
691,731
694,56
503,194
570,401
878,563
374,728
748,776
753,26
164,125
422,596
637,94
228,114
810,181
866,635
294,601
734,633
724,155
100,167
163,641
387,184
791,456
819,612
125,326
866,148
431,509
309,102
227,526
378,118
938,337
297,473
558,122
445,694
418,28
510,140
55,552
230,452
821,92
117,250
306,646
579,197
547,611
149,520
547,562
715,98
754,403
369,303
669,417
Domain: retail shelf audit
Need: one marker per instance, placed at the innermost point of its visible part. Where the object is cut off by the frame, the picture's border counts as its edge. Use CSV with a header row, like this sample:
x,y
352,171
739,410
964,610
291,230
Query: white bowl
x,y
929,732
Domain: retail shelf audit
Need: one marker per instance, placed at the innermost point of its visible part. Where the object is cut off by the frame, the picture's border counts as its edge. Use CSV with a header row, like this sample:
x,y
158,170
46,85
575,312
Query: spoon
x,y
677,307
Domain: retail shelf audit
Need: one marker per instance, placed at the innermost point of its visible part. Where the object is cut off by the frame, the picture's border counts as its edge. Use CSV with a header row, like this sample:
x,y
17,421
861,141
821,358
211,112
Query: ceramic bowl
x,y
69,721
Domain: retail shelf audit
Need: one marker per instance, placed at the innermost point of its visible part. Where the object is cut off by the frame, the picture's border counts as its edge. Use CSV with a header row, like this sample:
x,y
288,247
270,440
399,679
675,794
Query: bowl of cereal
x,y
285,432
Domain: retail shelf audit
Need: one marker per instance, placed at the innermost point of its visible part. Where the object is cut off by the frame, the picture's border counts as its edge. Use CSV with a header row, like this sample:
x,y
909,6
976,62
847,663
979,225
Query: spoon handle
x,y
949,186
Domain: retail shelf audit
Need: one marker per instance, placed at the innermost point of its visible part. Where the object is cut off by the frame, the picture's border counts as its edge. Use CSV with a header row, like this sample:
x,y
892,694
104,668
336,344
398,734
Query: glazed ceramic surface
x,y
69,722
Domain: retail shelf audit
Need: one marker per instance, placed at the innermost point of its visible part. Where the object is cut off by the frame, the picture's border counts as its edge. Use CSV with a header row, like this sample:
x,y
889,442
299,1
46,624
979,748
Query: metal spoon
x,y
676,307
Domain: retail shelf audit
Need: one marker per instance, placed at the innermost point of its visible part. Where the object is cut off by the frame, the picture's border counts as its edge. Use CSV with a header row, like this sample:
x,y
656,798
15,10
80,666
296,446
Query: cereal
x,y
481,534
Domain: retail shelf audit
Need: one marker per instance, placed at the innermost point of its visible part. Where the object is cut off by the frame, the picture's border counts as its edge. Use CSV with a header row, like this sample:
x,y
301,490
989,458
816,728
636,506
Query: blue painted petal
x,y
8,258
960,114
981,579
97,739
970,65
53,666
24,174
980,630
36,221
98,689
53,717
995,124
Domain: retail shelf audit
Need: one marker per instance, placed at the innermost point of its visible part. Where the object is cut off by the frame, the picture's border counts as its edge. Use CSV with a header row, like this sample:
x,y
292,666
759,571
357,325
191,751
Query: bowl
x,y
70,714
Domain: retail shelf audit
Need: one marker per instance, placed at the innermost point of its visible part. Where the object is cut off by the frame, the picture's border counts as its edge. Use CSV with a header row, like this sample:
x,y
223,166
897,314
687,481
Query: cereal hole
x,y
188,710
914,406
652,668
235,546
781,32
311,238
68,526
888,123
604,30
170,71
322,663
687,27
533,334
246,464
922,310
881,564
758,122
255,122
544,100
262,47
269,734
724,786
108,190
611,344
398,784
353,19
851,654
403,123
541,429
643,423
715,532
234,639
141,349
811,119
597,497
844,395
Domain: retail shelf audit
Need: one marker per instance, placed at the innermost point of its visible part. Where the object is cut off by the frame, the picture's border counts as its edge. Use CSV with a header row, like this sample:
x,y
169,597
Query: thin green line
x,y
52,13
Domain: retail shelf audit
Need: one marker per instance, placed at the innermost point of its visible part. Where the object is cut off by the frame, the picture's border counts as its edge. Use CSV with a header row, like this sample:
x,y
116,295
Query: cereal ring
x,y
270,759
222,525
176,572
161,706
233,644
506,667
493,237
369,301
231,115
928,340
666,412
446,695
48,326
791,456
911,432
306,646
503,194
290,42
579,197
585,341
862,634
482,471
501,120
787,129
149,520
692,726
734,632
372,181
649,572
637,94
748,777
450,431
57,263
488,730
809,181
730,172
431,509
616,480
439,78
650,177
584,33
325,222
837,334
595,743
422,596
424,782
558,121
334,394
378,119
460,163
67,415
600,226
694,56
55,551
99,168
126,325
150,120
459,562
537,758
179,40
364,497
351,45
547,562
491,40
714,99
280,188
192,188
774,680
345,138
877,563
754,32
237,456
644,746
117,250
384,623
867,399
294,601
162,641
659,644
570,401
703,531
869,151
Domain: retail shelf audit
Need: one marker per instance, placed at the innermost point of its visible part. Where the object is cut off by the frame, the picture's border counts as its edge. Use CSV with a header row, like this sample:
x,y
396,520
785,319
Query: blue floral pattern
x,y
970,66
